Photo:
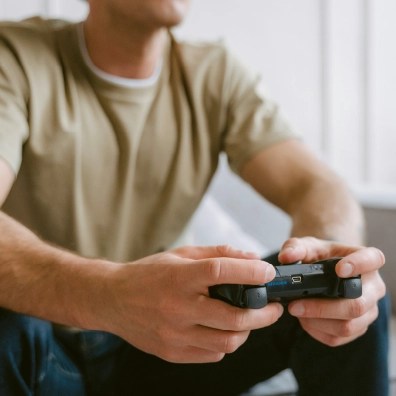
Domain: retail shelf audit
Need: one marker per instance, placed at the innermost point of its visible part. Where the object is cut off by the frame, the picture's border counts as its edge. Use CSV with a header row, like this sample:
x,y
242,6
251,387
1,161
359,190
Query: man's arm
x,y
160,303
323,211
318,201
39,279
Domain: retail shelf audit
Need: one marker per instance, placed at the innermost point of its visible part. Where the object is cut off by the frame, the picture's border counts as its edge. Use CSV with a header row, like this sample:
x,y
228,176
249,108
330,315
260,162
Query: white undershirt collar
x,y
120,81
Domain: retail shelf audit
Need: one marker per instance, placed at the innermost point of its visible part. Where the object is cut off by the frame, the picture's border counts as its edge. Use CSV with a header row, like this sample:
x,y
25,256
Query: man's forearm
x,y
41,280
317,199
328,210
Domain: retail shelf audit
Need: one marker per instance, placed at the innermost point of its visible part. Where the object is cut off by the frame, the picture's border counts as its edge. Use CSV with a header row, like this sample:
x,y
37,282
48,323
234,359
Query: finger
x,y
202,252
227,317
359,262
341,328
373,285
309,249
343,309
207,338
215,271
190,354
330,340
216,340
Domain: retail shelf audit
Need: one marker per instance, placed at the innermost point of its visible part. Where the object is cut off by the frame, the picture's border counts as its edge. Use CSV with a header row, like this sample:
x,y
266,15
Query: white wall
x,y
17,9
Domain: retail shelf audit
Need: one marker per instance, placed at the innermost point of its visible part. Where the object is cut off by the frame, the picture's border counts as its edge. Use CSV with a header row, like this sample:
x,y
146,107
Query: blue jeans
x,y
36,360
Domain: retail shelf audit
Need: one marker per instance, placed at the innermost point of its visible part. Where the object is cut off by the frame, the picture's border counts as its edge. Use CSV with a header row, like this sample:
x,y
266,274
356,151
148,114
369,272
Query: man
x,y
110,132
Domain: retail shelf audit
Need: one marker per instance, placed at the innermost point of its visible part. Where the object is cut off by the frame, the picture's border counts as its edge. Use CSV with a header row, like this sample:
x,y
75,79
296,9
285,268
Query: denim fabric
x,y
359,368
36,360
32,362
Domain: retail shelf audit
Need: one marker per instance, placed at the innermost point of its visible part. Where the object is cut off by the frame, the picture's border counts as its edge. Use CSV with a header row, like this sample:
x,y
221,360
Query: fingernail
x,y
345,270
297,309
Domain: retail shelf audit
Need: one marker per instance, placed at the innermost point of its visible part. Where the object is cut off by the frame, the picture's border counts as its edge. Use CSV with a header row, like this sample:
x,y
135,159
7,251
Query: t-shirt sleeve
x,y
253,122
13,106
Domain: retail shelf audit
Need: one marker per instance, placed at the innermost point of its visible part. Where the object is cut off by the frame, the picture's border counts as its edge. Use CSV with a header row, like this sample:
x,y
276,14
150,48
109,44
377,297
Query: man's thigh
x,y
32,361
319,369
264,354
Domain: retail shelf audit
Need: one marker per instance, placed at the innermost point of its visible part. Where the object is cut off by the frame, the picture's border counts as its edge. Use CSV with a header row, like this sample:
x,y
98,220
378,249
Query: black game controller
x,y
291,282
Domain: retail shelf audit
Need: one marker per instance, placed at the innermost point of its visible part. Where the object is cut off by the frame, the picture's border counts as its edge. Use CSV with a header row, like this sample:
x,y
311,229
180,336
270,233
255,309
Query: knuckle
x,y
167,255
213,268
378,254
290,242
177,252
332,341
277,312
273,313
224,250
216,357
231,343
168,354
358,307
347,328
239,320
310,240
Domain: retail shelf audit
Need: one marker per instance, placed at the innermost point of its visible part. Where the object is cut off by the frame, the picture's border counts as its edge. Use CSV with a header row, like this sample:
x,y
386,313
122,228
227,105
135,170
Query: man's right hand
x,y
160,304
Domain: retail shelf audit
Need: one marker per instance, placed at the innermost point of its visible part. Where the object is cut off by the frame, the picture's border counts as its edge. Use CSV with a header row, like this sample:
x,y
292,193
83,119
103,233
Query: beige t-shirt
x,y
112,171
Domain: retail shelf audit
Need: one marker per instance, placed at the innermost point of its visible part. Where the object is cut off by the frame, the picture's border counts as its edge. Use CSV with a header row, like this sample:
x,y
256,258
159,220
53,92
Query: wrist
x,y
83,289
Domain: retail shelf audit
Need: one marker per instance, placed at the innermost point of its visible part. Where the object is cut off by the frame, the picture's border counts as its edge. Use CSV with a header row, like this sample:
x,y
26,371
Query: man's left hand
x,y
336,322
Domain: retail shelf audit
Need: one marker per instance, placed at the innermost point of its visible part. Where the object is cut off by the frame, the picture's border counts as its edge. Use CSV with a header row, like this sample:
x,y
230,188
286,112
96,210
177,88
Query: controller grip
x,y
292,281
255,297
351,287
240,295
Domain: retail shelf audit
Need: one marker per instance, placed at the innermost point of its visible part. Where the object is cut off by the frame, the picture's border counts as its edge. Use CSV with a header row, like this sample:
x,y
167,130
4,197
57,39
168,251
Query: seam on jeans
x,y
44,371
52,359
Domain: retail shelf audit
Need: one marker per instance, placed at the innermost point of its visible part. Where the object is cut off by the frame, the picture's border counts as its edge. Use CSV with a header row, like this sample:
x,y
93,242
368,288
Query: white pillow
x,y
212,225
